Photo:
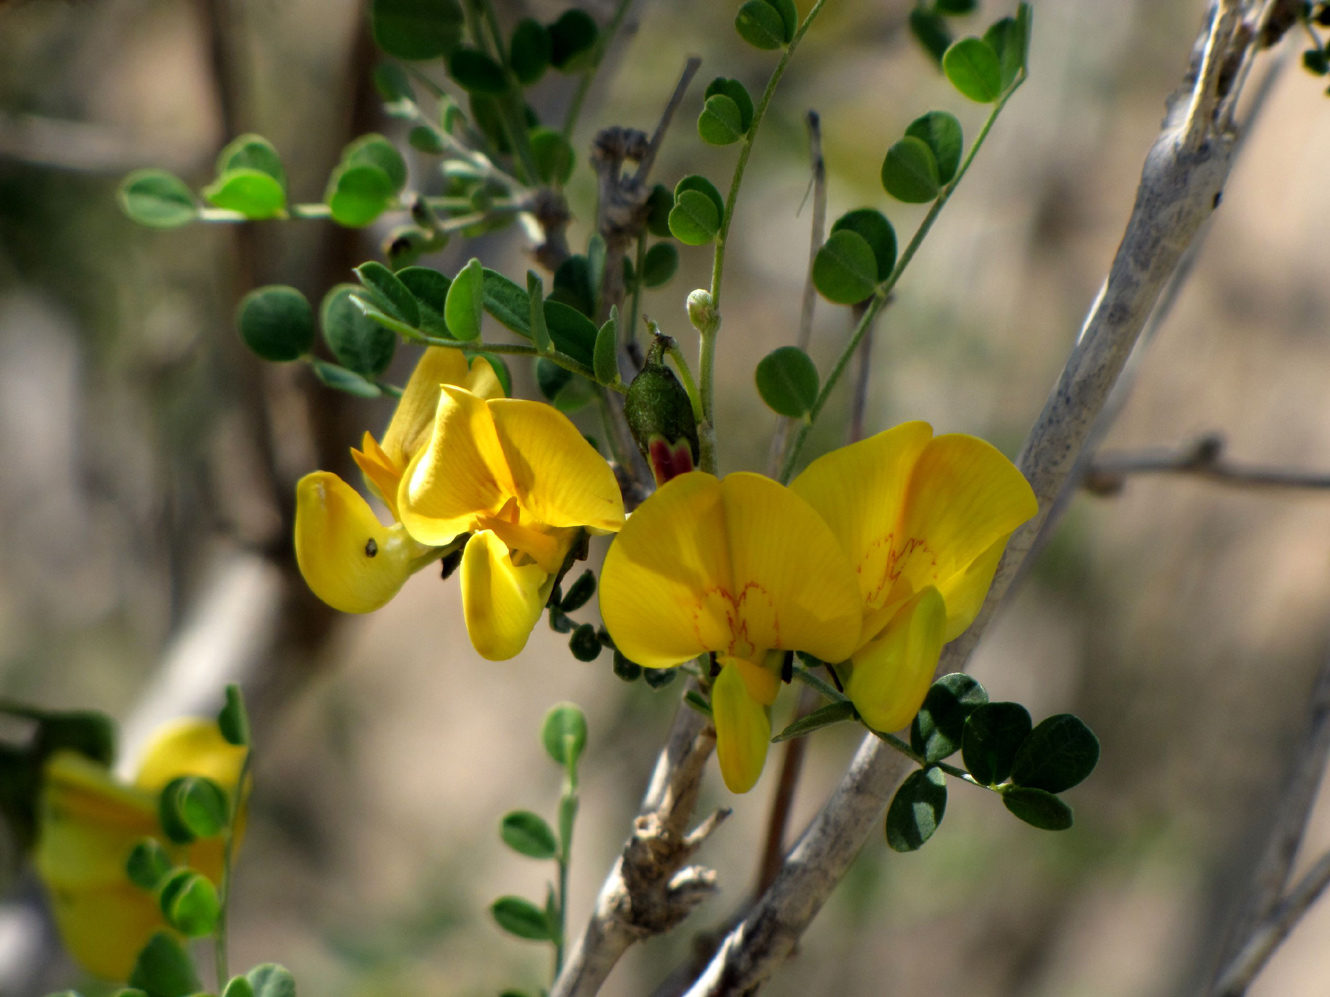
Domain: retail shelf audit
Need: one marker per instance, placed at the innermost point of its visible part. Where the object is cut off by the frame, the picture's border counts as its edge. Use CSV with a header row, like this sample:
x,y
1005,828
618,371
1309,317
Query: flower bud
x,y
702,311
660,416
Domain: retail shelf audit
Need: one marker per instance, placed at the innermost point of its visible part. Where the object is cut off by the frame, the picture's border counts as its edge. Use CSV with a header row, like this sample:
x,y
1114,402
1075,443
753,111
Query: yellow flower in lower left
x,y
87,824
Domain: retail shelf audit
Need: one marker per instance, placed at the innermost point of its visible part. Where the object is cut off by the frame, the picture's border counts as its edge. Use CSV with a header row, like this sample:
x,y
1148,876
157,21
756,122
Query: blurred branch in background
x,y
1108,472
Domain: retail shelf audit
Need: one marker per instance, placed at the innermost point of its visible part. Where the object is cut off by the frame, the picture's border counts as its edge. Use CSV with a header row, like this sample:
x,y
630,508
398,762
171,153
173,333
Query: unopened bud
x,y
702,311
660,416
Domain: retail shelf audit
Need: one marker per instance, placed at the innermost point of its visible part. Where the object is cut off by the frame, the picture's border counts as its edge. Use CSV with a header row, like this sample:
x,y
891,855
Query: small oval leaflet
x,y
476,72
200,804
1038,808
659,678
271,980
553,154
694,220
375,150
430,289
993,733
157,199
606,354
572,38
909,172
629,671
788,381
721,122
738,93
584,643
233,720
1059,753
388,292
873,227
252,152
465,305
973,68
579,593
660,264
761,25
660,202
826,716
276,322
564,733
528,834
194,907
529,51
358,194
164,969
147,864
938,728
253,193
941,132
845,268
930,31
358,342
238,986
917,809
522,918
417,29
341,379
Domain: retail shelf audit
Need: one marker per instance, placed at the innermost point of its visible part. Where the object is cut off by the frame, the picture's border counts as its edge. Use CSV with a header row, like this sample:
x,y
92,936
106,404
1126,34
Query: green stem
x,y
686,376
589,74
224,888
567,816
883,290
718,259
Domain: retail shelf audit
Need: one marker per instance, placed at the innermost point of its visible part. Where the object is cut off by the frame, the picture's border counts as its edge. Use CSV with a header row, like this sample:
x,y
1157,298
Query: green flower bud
x,y
702,311
661,419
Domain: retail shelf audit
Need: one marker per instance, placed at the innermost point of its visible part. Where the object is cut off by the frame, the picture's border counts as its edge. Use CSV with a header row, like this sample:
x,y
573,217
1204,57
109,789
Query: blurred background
x,y
148,464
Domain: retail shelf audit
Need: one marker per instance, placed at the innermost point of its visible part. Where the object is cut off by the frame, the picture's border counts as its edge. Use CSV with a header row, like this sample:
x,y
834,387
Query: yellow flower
x,y
742,568
348,558
88,823
519,477
923,521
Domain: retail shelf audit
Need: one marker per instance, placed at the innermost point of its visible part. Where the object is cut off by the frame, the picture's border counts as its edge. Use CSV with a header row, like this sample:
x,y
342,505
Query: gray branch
x,y
1108,472
1182,178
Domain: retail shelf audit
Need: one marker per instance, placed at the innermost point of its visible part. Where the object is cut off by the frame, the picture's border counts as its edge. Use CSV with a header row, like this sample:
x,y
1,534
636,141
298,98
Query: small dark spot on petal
x,y
371,547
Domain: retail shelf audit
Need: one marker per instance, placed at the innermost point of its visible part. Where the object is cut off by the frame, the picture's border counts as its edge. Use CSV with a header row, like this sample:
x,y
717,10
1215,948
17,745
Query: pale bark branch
x,y
1108,472
1183,175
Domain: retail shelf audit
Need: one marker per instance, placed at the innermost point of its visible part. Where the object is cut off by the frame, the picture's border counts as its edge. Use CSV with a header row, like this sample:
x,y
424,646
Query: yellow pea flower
x,y
87,824
740,567
519,477
348,558
923,521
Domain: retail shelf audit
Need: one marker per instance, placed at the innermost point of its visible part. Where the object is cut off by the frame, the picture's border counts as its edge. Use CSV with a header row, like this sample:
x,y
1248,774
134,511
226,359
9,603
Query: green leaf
x,y
972,67
233,720
827,716
1007,39
660,202
417,29
425,139
606,355
660,264
357,195
789,17
508,303
238,986
157,199
200,805
271,980
540,333
699,183
738,93
164,969
147,864
629,671
563,733
375,150
1058,754
465,307
910,173
917,809
254,194
659,678
572,39
551,378
553,154
573,284
694,220
341,379
476,72
571,332
529,51
941,132
393,85
171,887
584,643
938,728
787,380
194,908
522,918
956,8
760,24
357,341
501,371
388,292
692,698
527,834
872,226
276,322
430,289
580,593
721,122
252,152
993,733
931,32
845,268
1035,806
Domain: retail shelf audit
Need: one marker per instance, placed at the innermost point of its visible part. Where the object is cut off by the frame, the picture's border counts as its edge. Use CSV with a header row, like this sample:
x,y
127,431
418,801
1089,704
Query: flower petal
x,y
189,747
482,381
381,475
459,474
743,730
662,578
559,477
965,591
859,490
410,425
964,497
349,559
501,602
892,673
792,585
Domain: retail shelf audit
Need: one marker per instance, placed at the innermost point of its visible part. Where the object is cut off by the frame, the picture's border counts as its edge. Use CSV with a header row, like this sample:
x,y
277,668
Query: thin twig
x,y
690,69
862,376
791,765
1108,473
